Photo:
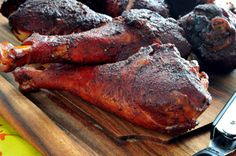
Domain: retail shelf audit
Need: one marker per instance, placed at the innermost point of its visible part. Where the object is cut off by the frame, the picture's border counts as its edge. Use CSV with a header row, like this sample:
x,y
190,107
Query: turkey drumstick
x,y
113,8
112,42
54,17
155,88
58,17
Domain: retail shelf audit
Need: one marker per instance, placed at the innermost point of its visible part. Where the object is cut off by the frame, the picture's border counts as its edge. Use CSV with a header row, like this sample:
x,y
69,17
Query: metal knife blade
x,y
223,133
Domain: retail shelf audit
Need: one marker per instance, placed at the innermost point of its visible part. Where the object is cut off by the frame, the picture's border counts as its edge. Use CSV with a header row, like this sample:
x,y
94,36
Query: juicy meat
x,y
54,17
115,8
179,8
117,40
9,6
154,88
211,31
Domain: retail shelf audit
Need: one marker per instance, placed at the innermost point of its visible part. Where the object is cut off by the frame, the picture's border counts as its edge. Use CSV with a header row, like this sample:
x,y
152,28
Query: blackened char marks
x,y
114,41
153,24
211,32
155,88
113,8
9,6
55,17
158,6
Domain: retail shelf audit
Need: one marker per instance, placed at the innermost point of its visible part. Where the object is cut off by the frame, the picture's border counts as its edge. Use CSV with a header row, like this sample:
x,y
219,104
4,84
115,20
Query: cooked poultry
x,y
115,8
110,7
55,17
9,6
66,16
211,31
154,5
112,42
154,88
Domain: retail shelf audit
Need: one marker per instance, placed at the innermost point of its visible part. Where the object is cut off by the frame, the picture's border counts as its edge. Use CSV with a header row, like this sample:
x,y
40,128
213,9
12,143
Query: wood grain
x,y
102,133
35,126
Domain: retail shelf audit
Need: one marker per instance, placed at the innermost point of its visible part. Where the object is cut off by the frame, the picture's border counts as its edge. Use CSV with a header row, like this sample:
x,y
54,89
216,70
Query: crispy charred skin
x,y
9,6
112,42
55,17
115,8
154,5
155,88
179,8
211,31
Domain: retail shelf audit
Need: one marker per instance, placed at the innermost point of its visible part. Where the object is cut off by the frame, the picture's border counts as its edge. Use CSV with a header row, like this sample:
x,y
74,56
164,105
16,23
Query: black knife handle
x,y
208,152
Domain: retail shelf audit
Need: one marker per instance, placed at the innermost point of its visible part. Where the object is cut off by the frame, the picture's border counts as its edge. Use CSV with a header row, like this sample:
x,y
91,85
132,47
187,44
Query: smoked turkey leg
x,y
154,88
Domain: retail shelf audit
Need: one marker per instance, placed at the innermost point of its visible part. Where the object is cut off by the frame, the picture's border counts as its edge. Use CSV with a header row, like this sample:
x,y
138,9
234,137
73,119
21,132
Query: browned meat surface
x,y
154,88
115,8
54,17
211,31
179,8
112,42
9,6
154,5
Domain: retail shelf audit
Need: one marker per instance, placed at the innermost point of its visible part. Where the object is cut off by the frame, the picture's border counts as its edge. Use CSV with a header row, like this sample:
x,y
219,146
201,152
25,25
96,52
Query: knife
x,y
223,132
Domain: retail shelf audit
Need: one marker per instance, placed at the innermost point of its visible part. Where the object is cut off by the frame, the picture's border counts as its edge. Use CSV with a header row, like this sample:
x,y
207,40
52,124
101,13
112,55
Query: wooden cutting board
x,y
107,134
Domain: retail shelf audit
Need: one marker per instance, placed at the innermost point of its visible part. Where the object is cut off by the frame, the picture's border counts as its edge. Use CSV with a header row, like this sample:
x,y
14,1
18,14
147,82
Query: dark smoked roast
x,y
211,31
54,17
58,17
9,6
124,65
110,7
116,40
155,88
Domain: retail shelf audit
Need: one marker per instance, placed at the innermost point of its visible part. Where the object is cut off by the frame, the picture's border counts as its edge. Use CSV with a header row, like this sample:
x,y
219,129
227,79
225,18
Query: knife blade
x,y
223,132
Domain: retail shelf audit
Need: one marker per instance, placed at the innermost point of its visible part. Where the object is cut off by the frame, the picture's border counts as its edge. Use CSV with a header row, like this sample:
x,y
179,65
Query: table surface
x,y
76,121
12,144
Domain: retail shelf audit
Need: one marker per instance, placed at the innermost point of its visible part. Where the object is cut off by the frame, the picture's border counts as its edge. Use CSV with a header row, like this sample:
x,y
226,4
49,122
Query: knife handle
x,y
225,121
